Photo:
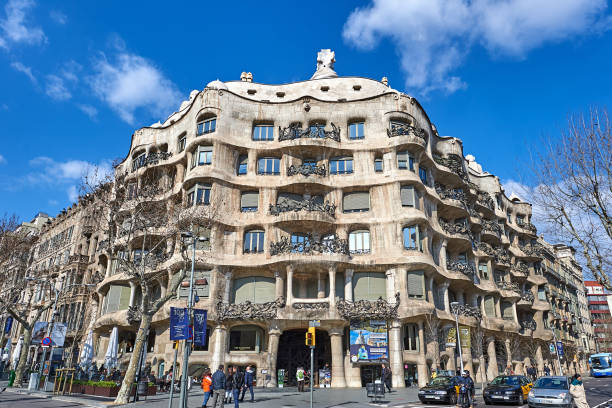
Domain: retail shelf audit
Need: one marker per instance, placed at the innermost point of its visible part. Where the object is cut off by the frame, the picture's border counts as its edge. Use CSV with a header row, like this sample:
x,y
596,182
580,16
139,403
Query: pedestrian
x,y
206,386
237,384
386,377
531,372
218,387
577,391
299,376
546,370
248,383
467,381
169,379
228,384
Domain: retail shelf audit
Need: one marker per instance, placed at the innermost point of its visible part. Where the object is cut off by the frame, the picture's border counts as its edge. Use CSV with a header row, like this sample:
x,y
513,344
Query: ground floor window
x,y
246,338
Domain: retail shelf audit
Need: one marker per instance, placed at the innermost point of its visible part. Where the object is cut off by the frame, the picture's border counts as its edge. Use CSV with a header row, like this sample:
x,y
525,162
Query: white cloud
x,y
18,66
130,83
73,193
433,37
56,88
88,110
14,27
2,159
70,71
58,17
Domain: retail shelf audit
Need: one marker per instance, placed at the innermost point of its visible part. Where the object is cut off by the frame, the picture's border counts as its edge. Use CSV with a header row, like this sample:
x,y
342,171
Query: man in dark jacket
x,y
237,383
218,387
531,372
468,383
386,377
248,383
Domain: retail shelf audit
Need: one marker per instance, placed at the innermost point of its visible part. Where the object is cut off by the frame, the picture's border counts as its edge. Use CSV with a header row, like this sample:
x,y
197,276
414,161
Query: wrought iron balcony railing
x,y
457,228
492,226
462,267
405,129
510,286
327,245
152,158
465,310
483,198
449,193
533,250
306,170
528,324
316,131
304,205
527,296
520,268
453,162
380,309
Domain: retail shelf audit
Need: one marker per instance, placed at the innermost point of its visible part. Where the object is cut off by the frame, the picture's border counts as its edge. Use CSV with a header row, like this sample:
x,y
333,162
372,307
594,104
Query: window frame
x,y
418,242
193,197
334,165
201,126
405,164
357,125
258,244
182,142
360,234
275,166
258,129
382,165
423,175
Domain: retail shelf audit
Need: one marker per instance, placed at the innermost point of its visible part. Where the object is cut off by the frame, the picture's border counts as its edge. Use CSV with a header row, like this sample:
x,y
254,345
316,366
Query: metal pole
x,y
49,330
170,401
311,372
557,352
459,342
184,391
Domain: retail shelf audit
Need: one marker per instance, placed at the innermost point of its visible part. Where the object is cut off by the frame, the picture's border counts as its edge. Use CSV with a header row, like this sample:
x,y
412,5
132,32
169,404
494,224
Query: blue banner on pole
x,y
8,325
179,323
560,348
199,327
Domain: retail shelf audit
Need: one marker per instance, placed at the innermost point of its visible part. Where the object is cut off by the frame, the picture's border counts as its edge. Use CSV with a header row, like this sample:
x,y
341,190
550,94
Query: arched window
x,y
489,306
207,125
253,242
246,338
359,242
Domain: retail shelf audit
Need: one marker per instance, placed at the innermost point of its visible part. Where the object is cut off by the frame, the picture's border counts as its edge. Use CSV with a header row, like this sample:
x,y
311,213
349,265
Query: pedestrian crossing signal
x,y
310,337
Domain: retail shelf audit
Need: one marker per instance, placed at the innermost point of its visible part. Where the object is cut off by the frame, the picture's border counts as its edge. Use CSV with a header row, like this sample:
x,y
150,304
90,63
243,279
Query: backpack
x,y
300,375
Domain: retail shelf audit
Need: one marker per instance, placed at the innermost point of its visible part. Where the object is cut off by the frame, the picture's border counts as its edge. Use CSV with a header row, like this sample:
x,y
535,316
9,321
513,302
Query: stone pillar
x,y
180,169
227,287
289,285
320,286
429,288
460,297
396,361
109,266
422,365
492,371
273,339
337,365
539,360
445,294
514,313
279,289
443,253
348,285
509,355
218,346
390,285
332,294
497,307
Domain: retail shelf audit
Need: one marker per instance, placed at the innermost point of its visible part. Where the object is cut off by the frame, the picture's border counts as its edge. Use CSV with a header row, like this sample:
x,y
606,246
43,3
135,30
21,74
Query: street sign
x,y
560,348
314,323
46,342
551,347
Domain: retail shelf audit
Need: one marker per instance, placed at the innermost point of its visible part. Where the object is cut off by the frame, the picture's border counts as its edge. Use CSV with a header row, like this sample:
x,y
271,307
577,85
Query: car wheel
x,y
487,402
452,399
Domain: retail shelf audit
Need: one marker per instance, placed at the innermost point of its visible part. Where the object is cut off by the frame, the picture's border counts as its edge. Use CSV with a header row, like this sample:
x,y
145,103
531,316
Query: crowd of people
x,y
225,387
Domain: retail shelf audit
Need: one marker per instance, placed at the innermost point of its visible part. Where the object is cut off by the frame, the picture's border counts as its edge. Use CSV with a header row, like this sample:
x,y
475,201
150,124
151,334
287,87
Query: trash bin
x,y
11,378
33,385
142,387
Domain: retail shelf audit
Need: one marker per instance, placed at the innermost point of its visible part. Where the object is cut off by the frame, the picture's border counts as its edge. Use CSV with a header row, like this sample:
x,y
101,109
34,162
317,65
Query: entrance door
x,y
370,373
293,353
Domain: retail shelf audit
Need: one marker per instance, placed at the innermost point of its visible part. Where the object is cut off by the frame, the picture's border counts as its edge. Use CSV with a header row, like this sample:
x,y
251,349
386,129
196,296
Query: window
x,y
181,143
369,286
378,165
341,165
243,162
499,276
263,132
411,337
249,201
117,298
309,163
356,131
246,338
520,219
253,242
356,202
202,156
268,165
412,238
254,289
300,243
207,126
405,161
545,320
423,174
201,285
489,306
483,271
509,217
138,161
416,284
506,309
359,242
317,130
132,190
199,194
409,197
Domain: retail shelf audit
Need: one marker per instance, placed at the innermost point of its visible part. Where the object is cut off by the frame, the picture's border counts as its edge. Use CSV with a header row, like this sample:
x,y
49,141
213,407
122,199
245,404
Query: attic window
x,y
341,99
357,87
280,94
325,88
251,91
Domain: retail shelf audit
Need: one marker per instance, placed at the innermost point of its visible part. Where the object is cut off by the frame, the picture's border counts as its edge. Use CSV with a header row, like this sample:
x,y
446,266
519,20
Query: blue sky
x,y
77,78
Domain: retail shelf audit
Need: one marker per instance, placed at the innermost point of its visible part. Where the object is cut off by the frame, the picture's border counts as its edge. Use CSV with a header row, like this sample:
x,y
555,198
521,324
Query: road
x,y
14,400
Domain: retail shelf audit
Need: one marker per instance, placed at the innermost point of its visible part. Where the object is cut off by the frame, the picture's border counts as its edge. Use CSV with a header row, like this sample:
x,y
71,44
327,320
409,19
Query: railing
x,y
304,205
306,170
492,226
465,310
316,131
453,162
483,198
532,250
380,309
329,245
153,158
520,268
528,324
405,129
457,228
78,259
449,193
527,296
462,267
510,286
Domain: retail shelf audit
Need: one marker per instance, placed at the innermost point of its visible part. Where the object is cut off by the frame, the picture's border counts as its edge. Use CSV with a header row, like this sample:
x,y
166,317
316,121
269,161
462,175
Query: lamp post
x,y
455,310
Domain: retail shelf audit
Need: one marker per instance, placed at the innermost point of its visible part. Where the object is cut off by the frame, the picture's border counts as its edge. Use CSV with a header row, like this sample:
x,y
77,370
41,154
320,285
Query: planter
x,y
106,391
152,390
76,388
88,389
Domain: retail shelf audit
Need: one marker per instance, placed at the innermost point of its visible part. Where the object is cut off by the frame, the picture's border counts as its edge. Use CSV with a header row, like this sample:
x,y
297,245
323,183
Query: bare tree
x,y
434,336
478,337
574,189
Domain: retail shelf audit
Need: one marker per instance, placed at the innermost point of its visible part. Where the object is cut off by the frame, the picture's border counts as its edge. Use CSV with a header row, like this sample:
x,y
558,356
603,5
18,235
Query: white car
x,y
549,392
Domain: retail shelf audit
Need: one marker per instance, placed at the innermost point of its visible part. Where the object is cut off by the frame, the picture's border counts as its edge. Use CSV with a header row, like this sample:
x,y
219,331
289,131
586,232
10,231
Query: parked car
x,y
439,389
551,391
507,388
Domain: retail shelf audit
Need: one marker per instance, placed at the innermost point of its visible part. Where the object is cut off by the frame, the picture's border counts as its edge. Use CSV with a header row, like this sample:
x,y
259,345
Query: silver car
x,y
550,391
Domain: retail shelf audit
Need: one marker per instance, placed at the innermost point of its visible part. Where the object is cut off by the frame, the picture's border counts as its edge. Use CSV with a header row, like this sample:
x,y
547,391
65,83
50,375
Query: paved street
x,y
599,392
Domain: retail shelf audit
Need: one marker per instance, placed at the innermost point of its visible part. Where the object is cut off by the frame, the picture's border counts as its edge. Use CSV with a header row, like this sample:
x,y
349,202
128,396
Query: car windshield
x,y
440,381
501,380
552,383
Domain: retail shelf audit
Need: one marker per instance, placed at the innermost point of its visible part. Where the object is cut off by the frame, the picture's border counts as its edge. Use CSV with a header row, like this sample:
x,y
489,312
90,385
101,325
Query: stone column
x,y
445,294
337,365
218,341
460,297
509,355
320,286
273,339
497,307
289,285
348,285
539,360
395,355
514,313
332,293
109,266
228,286
429,288
422,365
492,371
279,289
390,285
443,253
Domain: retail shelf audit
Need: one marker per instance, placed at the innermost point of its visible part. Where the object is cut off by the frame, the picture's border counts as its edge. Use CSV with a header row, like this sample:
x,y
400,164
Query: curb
x,y
62,398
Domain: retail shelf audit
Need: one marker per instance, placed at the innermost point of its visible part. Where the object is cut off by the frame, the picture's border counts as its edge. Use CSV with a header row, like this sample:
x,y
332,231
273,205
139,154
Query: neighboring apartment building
x,y
340,202
599,301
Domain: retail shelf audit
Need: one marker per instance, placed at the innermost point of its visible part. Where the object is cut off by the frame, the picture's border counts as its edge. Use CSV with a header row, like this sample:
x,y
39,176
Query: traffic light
x,y
176,344
310,337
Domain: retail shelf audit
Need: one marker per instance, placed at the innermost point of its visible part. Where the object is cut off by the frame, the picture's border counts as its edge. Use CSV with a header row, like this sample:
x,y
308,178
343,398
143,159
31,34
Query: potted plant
x,y
106,389
152,389
88,387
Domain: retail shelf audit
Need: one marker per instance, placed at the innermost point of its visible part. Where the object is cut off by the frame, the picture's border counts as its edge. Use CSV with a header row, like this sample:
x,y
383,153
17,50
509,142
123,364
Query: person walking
x,y
546,370
218,387
386,376
206,386
249,376
299,376
531,372
467,381
228,385
237,384
577,391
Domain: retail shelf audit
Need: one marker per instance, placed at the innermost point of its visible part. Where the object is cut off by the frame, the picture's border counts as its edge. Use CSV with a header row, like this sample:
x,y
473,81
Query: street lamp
x,y
455,310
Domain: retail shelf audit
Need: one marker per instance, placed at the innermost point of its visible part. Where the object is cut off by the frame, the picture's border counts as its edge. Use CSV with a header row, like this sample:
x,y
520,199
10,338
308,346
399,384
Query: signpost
x,y
46,342
311,341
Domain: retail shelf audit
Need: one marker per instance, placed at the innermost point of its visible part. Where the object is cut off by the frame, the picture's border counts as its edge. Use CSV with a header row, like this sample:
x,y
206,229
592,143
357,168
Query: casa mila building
x,y
339,202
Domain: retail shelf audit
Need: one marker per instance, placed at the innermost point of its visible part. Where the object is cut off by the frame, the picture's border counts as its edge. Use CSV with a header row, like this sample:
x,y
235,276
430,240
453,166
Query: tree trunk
x,y
126,386
23,356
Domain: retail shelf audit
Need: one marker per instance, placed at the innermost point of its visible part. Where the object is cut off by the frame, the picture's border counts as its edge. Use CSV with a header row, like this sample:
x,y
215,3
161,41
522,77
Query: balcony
x,y
509,286
306,170
461,267
465,310
151,159
446,193
528,324
520,269
492,226
527,297
455,229
534,250
453,162
379,309
405,129
316,131
327,245
311,204
84,259
484,199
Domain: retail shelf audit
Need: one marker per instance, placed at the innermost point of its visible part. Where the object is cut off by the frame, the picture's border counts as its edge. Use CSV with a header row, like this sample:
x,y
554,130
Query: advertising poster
x,y
58,335
281,377
199,327
325,378
369,341
8,325
179,323
464,333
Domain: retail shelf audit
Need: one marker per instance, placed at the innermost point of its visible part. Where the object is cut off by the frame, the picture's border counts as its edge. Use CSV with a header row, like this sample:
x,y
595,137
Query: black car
x,y
507,388
439,389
